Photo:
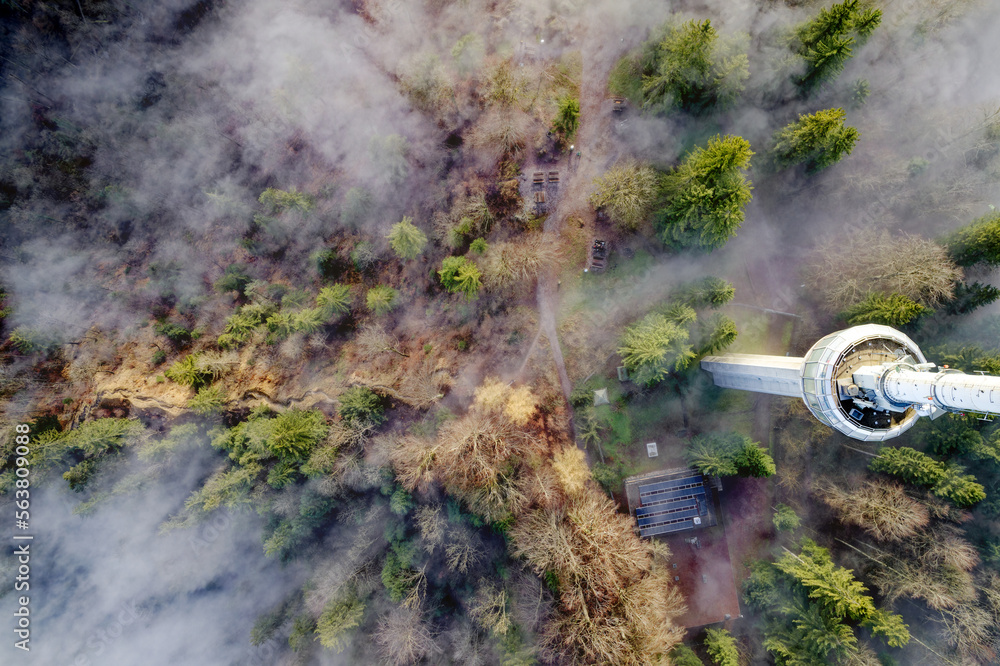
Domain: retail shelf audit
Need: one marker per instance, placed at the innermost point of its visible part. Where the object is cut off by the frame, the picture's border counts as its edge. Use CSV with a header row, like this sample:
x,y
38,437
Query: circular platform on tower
x,y
828,390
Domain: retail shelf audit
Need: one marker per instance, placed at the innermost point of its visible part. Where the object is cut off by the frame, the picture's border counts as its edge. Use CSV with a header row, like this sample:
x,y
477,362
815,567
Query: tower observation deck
x,y
869,382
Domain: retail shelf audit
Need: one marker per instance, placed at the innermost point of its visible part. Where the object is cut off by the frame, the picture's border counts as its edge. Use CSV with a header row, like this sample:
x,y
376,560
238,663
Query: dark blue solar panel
x,y
666,529
673,511
668,485
667,507
669,494
666,504
670,506
670,517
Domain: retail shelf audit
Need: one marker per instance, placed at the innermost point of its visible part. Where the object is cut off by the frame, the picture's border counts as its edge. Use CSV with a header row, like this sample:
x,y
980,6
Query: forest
x,y
307,354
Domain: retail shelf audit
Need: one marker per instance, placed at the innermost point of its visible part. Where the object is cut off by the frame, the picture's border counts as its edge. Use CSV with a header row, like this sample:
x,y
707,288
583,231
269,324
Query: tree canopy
x,y
976,243
816,140
406,240
693,69
729,454
567,119
701,201
893,310
460,275
944,480
825,42
653,347
627,192
868,262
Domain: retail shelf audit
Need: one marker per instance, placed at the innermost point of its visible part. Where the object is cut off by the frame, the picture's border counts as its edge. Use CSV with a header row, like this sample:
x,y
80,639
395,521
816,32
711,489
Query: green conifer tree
x,y
653,347
893,310
381,299
976,243
825,42
721,648
694,70
701,202
406,240
816,140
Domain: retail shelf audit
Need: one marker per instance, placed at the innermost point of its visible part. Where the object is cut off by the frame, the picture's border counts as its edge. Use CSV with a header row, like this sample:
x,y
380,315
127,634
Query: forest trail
x,y
580,170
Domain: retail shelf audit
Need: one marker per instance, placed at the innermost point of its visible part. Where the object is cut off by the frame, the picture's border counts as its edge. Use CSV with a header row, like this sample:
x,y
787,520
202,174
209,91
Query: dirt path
x,y
579,174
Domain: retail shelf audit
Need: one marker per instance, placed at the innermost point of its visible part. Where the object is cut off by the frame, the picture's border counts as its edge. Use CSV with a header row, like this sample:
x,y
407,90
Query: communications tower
x,y
869,382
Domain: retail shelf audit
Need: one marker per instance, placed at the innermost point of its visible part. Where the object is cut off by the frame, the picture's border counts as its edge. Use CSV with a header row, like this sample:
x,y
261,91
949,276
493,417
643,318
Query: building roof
x,y
669,501
679,507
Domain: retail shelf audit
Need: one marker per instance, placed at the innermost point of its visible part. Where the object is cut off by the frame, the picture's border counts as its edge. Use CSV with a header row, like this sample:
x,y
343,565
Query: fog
x,y
178,118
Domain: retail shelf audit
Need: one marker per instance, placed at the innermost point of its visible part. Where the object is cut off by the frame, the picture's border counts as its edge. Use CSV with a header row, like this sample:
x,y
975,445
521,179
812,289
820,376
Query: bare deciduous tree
x,y
462,554
413,459
616,597
404,636
881,508
507,265
571,468
474,451
431,524
934,565
865,261
490,609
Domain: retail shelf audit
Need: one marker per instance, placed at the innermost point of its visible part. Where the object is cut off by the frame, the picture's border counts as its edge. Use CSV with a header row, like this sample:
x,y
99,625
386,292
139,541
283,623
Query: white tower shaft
x,y
950,391
777,375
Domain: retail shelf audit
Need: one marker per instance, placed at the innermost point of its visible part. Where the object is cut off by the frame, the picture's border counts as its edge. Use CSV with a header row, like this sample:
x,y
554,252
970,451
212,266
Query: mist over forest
x,y
302,312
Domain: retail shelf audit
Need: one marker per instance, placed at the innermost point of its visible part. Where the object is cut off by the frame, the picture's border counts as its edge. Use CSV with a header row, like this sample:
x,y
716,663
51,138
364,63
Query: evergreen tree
x,y
189,372
976,243
360,407
406,240
277,201
567,118
825,42
208,401
893,310
809,638
723,334
837,594
816,140
338,620
908,464
693,70
785,519
708,292
728,455
235,279
960,489
946,481
711,455
968,297
292,434
460,275
381,299
751,460
682,655
721,648
834,589
701,202
653,347
334,300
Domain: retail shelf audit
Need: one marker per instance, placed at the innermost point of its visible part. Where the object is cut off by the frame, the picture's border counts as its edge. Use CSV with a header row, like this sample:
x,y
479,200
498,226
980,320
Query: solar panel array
x,y
671,506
